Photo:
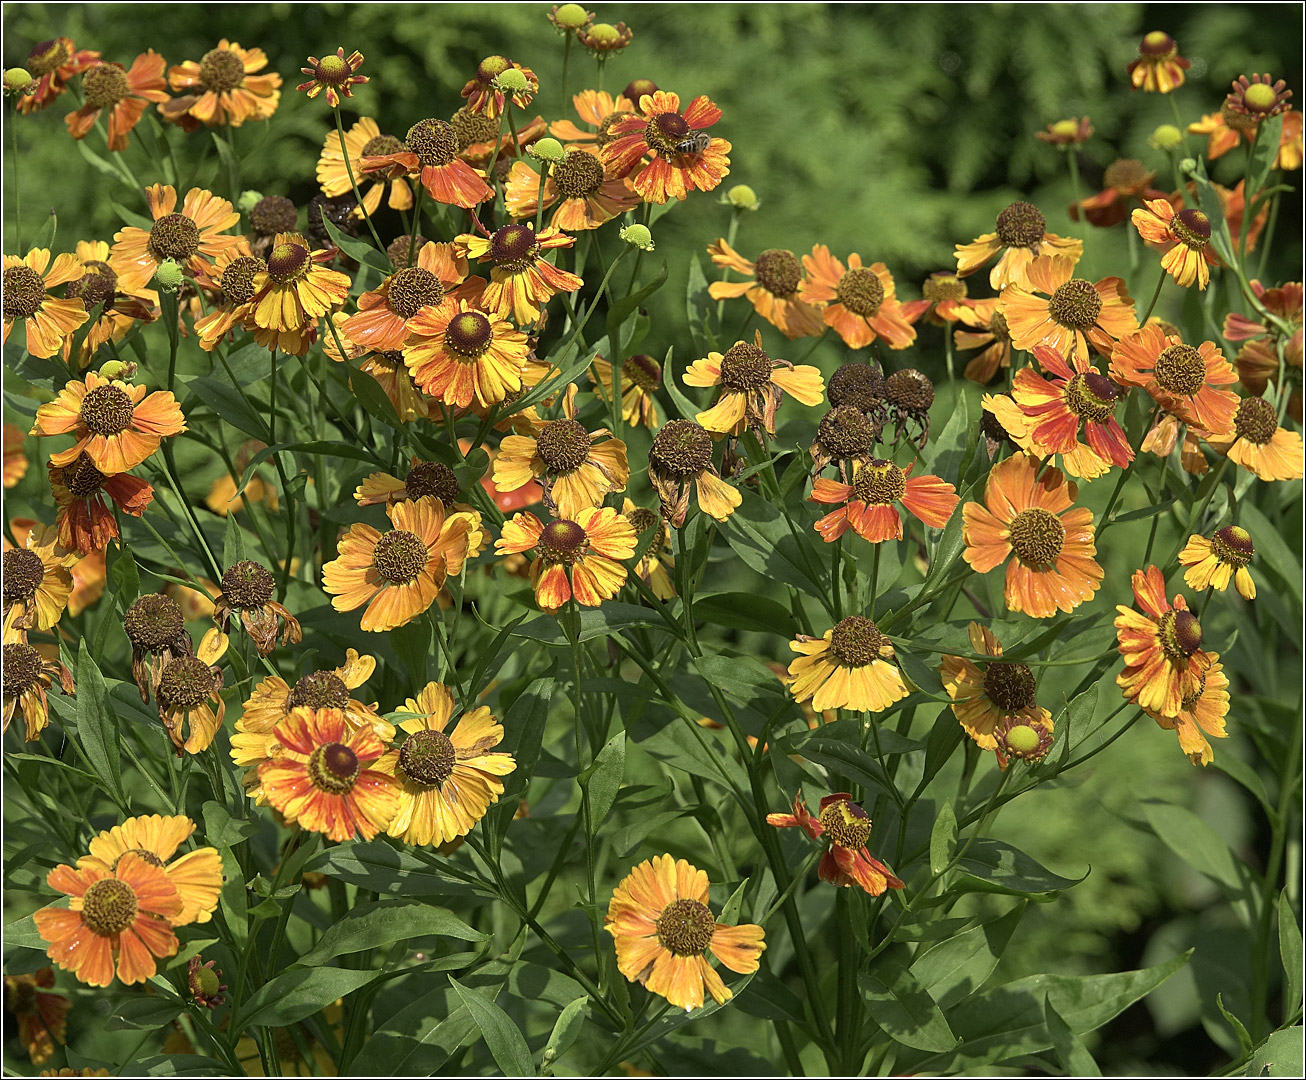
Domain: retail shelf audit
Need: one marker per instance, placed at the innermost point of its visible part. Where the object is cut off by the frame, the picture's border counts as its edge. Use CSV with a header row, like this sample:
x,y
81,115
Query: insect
x,y
695,144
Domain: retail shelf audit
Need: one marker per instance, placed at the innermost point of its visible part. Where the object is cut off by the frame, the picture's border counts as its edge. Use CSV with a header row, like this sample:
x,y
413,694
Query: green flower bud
x,y
1188,165
571,16
1166,137
547,150
511,81
742,197
168,276
248,200
639,236
17,81
117,369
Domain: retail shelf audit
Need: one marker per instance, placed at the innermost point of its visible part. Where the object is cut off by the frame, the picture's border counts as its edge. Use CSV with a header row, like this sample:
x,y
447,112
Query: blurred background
x,y
895,131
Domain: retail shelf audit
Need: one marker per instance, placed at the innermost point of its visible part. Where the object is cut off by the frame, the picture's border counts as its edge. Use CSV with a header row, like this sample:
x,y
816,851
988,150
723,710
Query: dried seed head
x,y
413,289
273,214
681,449
909,390
745,367
846,432
1021,225
23,573
21,669
154,622
1009,686
859,385
433,141
247,585
185,683
174,236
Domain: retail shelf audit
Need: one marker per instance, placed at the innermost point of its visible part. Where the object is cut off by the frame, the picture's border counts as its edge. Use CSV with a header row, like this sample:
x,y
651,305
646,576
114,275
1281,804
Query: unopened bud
x,y
742,197
1166,137
17,81
168,276
510,81
546,150
248,200
1188,165
121,370
639,236
571,16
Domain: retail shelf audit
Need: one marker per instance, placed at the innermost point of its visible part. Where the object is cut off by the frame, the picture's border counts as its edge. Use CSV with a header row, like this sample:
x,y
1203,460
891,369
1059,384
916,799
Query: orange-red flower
x,y
1126,181
1183,237
384,311
457,354
222,89
847,826
1075,313
334,74
851,666
585,194
1180,378
53,64
42,1016
867,504
85,521
192,236
521,282
1004,420
1021,235
578,558
776,281
47,320
1159,67
681,457
1227,128
1213,563
362,140
983,699
859,302
1259,444
1033,517
483,95
1161,647
430,151
684,157
126,93
752,387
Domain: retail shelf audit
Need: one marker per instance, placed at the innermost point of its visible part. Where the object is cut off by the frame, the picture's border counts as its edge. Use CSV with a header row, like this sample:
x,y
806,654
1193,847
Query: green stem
x,y
545,166
349,168
566,59
18,204
292,518
1155,296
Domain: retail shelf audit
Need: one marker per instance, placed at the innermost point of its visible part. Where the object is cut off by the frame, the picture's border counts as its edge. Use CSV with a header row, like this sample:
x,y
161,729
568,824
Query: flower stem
x,y
349,168
1147,314
566,59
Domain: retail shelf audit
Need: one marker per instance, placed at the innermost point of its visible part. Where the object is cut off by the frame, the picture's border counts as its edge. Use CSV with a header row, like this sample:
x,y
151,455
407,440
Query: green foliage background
x,y
894,131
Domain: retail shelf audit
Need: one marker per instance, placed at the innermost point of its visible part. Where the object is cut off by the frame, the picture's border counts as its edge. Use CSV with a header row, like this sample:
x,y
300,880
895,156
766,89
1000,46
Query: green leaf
x,y
225,402
50,227
124,575
97,725
412,644
1290,952
1194,841
953,970
382,868
507,1044
699,308
222,830
603,779
1145,511
741,677
22,933
1279,1055
687,409
759,535
619,312
943,838
992,866
730,910
1264,151
176,1065
373,398
1237,769
233,543
369,926
359,250
1271,547
296,994
920,675
745,611
626,840
523,736
98,163
597,622
945,736
903,1009
566,1030
1239,1028
1070,1048
143,1012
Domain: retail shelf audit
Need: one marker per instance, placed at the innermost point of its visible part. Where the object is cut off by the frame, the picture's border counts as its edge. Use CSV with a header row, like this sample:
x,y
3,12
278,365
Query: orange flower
x,y
521,282
752,386
1212,563
1258,361
423,478
982,699
587,196
1066,132
990,333
15,457
398,574
192,237
85,521
384,311
1125,181
125,93
1161,647
578,558
850,667
293,293
662,928
943,300
247,588
847,826
99,285
115,423
1181,379
457,353
1077,393
387,368
868,502
1259,444
53,64
222,88
777,281
48,321
1005,420
120,920
1227,128
1031,515
334,74
233,276
1201,713
598,109
430,152
42,1016
1183,237
684,157
483,95
1075,314
189,690
681,456
362,140
859,303
320,778
1021,235
1159,67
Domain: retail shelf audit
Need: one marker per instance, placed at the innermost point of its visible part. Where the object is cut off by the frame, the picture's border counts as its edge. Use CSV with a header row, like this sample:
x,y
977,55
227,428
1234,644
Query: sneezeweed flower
x,y
869,504
384,311
222,89
1258,97
1017,738
850,666
1227,128
116,425
585,195
1161,647
860,302
37,579
1159,68
457,353
844,435
53,64
293,293
775,288
1258,361
1201,714
156,628
247,588
752,387
1259,444
235,274
484,144
117,922
1181,379
580,558
847,826
47,320
908,395
1125,182
943,299
1005,422
42,1016
204,981
1183,237
362,140
990,334
446,780
1076,394
97,286
662,929
1021,235
654,567
521,281
126,93
861,386
326,778
192,237
197,875
27,675
641,378
596,109
335,75
681,457
1075,314
387,368
423,478
683,156
569,17
398,574
190,690
430,151
1001,690
576,468
1213,563
1033,517
1066,133
487,97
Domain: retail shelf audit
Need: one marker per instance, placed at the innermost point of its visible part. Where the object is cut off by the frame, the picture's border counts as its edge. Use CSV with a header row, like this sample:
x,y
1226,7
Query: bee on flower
x,y
679,160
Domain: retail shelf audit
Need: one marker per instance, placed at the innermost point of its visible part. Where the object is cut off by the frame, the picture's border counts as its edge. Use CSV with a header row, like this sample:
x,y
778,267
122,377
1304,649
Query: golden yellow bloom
x,y
1212,563
851,666
983,699
48,321
222,88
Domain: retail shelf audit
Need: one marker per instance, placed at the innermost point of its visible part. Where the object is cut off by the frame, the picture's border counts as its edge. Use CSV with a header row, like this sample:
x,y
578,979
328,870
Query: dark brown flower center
x,y
221,69
991,428
1126,174
319,690
46,56
433,141
24,292
642,519
943,286
1191,228
1180,369
1009,686
22,668
563,445
1255,421
107,410
685,927
238,278
382,146
174,236
23,573
186,681
400,556
604,135
1021,225
468,335
846,824
473,127
432,478
400,247
1237,121
288,262
145,856
778,271
273,214
1075,305
105,85
82,478
333,768
247,586
643,371
909,390
856,641
1091,396
1158,46
846,432
92,290
861,291
578,175
665,131
563,542
428,757
1180,634
1037,537
413,289
153,622
1233,545
514,247
859,385
681,449
745,367
998,327
108,906
880,483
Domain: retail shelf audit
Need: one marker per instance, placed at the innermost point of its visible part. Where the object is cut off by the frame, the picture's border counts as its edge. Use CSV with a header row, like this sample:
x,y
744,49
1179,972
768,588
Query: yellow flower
x,y
1212,563
849,667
